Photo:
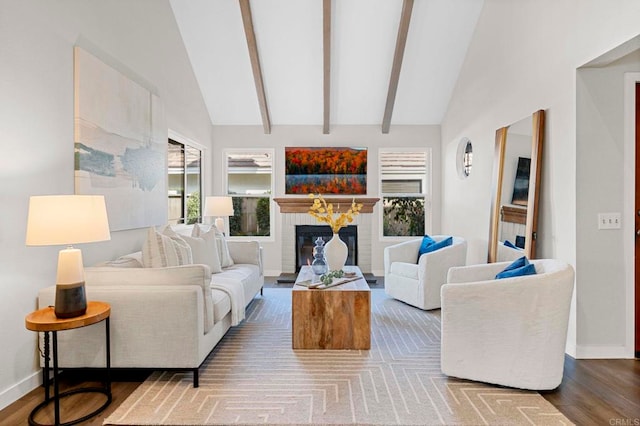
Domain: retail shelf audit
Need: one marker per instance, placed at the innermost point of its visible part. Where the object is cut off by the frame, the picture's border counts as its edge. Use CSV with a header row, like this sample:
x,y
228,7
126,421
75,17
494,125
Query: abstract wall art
x,y
120,143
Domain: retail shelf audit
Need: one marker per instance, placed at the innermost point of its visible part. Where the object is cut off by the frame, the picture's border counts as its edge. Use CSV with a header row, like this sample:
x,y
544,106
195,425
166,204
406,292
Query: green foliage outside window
x,y
193,208
403,216
263,217
251,217
235,221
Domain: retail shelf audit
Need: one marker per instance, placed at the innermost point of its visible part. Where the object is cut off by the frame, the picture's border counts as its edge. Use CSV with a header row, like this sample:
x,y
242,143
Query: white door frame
x,y
628,216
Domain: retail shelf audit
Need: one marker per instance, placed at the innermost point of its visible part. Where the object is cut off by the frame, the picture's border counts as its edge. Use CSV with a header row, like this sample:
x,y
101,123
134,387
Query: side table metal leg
x,y
56,386
45,371
108,375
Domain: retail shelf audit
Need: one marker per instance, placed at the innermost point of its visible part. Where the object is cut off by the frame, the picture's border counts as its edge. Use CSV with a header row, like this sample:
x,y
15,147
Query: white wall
x,y
524,57
36,123
600,152
226,137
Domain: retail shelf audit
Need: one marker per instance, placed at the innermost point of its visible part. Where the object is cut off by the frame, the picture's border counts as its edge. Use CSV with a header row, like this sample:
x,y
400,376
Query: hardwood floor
x,y
599,392
593,392
73,407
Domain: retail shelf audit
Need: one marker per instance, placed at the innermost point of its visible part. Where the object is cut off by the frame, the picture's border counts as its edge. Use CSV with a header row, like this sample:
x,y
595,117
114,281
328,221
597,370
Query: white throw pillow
x,y
204,251
221,243
161,250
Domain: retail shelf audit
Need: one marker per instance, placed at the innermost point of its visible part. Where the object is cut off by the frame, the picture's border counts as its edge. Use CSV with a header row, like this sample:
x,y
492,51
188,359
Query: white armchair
x,y
506,253
510,332
418,284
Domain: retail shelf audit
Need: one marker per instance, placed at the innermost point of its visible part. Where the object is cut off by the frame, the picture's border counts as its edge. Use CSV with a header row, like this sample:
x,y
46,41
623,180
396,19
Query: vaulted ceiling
x,y
326,62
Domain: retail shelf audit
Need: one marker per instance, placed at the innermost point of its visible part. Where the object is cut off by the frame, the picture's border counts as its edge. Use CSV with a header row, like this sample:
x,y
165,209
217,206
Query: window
x,y
185,183
249,183
404,186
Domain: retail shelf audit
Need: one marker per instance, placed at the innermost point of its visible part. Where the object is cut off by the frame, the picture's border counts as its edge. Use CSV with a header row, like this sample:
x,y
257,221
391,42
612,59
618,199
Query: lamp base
x,y
71,300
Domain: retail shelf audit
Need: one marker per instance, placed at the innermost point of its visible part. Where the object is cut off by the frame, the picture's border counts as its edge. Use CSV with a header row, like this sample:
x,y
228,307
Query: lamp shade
x,y
67,219
218,206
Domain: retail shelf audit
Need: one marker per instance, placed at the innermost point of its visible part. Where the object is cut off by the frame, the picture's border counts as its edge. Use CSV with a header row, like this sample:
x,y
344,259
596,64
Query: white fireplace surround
x,y
289,222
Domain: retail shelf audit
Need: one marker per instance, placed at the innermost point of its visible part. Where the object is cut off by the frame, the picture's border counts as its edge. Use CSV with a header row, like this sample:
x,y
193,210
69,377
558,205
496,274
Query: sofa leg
x,y
196,382
261,290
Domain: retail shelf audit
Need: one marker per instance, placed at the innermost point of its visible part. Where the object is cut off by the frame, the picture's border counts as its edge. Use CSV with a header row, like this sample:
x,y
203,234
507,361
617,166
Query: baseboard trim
x,y
603,352
20,389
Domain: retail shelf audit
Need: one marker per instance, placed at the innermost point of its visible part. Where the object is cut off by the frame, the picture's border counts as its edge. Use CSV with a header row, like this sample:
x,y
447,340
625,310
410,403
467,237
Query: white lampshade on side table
x,y
67,220
219,206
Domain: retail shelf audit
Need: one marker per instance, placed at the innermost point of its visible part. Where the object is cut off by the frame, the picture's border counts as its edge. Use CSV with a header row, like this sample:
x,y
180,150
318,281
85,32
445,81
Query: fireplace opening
x,y
307,234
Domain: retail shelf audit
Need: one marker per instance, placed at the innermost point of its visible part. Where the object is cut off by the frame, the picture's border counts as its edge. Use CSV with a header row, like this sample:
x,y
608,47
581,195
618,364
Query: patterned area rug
x,y
254,377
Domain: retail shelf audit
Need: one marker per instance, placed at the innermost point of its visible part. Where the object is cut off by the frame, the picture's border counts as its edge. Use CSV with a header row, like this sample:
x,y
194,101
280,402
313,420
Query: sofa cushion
x,y
221,304
241,274
214,234
407,270
161,250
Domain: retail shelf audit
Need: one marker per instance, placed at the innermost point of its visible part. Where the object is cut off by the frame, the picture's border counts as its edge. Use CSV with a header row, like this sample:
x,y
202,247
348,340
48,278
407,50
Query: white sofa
x,y
510,332
161,318
418,282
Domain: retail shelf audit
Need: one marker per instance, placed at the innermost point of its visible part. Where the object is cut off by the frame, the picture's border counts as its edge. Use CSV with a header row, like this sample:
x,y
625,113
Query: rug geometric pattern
x,y
254,377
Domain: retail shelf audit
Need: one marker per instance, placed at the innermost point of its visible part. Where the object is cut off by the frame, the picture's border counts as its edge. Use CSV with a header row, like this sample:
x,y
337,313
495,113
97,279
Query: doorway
x,y
637,220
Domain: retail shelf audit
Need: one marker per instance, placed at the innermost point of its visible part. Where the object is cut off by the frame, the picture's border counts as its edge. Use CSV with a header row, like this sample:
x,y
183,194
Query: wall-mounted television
x,y
521,182
325,170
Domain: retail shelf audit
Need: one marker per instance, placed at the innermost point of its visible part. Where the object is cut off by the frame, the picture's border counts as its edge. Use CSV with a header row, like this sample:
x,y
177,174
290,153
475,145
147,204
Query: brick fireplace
x,y
294,212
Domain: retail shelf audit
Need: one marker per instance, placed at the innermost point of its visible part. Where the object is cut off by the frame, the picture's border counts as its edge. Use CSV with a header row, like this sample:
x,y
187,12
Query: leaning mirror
x,y
516,188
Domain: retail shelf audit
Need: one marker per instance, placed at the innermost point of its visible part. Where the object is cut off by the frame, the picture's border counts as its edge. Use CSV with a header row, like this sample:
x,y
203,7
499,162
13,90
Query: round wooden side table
x,y
45,320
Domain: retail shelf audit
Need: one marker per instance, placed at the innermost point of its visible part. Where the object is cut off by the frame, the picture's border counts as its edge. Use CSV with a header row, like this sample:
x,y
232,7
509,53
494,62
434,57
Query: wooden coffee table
x,y
338,317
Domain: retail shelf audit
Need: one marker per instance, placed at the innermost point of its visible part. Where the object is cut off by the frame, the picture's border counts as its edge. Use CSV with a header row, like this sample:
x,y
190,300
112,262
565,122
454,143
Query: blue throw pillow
x,y
511,245
428,248
426,242
517,268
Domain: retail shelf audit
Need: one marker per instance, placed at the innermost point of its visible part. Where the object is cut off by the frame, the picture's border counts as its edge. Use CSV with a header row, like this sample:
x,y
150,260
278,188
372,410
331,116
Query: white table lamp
x,y
218,206
66,220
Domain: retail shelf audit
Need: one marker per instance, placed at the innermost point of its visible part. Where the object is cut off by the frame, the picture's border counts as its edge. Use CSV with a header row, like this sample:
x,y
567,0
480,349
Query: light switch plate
x,y
609,221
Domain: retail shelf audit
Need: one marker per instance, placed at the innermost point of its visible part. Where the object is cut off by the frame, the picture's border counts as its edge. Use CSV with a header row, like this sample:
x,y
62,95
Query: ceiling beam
x,y
401,41
247,21
326,54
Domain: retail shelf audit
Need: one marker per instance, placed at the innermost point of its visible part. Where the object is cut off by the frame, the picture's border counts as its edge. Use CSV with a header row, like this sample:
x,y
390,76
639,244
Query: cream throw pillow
x,y
204,251
161,250
221,243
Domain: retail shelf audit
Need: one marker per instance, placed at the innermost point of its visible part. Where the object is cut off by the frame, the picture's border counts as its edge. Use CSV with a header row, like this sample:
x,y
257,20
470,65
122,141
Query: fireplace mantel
x,y
340,204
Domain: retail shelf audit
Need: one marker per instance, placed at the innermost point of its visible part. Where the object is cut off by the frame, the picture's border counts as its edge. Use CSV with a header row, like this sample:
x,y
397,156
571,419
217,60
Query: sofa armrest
x,y
151,326
248,252
186,275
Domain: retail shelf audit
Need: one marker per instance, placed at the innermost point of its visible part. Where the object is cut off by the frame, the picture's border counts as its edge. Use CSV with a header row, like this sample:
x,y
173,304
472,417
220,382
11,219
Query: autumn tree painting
x,y
326,170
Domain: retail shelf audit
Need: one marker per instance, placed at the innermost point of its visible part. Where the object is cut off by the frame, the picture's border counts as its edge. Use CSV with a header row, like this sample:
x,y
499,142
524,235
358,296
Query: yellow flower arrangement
x,y
323,212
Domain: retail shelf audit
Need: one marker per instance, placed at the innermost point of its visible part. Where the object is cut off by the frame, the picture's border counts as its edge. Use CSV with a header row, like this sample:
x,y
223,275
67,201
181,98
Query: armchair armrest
x,y
471,273
437,263
403,252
